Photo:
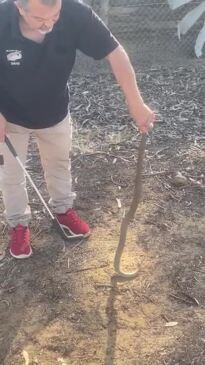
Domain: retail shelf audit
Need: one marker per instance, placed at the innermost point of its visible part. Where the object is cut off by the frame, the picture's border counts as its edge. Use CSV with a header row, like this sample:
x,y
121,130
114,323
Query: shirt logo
x,y
14,57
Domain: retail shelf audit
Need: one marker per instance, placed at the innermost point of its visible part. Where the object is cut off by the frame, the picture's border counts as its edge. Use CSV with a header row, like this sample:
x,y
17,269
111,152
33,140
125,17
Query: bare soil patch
x,y
64,306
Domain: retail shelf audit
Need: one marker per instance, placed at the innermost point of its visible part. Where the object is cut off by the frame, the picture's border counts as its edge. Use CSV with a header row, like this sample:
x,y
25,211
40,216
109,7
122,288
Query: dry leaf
x,y
26,357
119,204
171,324
62,361
179,179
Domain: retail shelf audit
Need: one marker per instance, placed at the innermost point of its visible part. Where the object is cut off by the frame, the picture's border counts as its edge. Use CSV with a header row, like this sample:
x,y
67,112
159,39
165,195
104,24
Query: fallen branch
x,y
187,299
87,269
99,153
157,173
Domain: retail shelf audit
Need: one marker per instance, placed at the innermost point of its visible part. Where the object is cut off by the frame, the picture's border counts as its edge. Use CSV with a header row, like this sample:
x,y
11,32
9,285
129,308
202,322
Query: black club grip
x,y
10,146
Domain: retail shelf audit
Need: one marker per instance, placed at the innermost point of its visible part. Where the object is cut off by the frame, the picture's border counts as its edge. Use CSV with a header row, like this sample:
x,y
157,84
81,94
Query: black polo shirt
x,y
33,77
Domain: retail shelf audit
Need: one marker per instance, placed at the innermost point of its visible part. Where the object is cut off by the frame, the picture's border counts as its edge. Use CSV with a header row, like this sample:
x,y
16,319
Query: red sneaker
x,y
20,246
73,223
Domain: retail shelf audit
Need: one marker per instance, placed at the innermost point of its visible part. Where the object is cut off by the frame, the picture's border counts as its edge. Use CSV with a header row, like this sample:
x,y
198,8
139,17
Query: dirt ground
x,y
64,305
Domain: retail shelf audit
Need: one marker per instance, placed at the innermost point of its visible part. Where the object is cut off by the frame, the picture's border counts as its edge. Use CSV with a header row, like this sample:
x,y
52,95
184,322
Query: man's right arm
x,y
2,128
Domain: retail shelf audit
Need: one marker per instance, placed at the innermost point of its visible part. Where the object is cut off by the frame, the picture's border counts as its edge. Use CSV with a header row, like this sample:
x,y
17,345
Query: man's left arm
x,y
125,76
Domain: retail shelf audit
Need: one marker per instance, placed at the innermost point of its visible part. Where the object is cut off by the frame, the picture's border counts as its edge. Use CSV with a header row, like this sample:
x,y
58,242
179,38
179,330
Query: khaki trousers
x,y
54,145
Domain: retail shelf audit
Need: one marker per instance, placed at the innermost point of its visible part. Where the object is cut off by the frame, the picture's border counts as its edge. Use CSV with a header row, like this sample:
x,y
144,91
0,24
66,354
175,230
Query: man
x,y
38,43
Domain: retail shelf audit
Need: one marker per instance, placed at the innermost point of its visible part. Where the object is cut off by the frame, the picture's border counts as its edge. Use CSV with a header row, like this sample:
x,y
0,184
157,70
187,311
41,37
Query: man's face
x,y
38,16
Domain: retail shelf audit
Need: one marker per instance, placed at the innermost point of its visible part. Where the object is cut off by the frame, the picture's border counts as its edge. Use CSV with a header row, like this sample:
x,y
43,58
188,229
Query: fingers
x,y
145,120
151,121
149,124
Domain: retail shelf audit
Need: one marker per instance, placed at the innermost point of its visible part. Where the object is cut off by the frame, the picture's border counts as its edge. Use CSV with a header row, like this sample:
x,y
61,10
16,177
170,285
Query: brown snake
x,y
131,213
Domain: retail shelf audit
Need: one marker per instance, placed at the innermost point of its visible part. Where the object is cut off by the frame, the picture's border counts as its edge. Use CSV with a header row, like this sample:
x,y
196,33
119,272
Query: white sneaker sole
x,y
73,235
21,257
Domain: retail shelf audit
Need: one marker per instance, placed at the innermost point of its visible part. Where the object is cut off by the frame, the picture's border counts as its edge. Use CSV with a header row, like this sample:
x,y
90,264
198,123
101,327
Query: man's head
x,y
40,15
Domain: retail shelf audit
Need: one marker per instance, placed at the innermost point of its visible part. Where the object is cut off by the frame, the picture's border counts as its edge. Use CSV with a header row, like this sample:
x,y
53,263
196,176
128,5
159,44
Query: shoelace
x,y
17,235
74,217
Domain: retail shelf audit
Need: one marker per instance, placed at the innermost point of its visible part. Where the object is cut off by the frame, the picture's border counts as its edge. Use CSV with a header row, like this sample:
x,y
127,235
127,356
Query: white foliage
x,y
200,42
189,20
174,4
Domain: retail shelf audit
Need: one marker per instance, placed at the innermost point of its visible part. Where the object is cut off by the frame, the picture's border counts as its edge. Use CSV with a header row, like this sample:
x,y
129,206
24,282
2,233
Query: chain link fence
x,y
148,31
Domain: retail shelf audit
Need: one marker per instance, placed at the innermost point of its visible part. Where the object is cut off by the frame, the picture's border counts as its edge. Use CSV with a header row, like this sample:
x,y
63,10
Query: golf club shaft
x,y
55,221
13,151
